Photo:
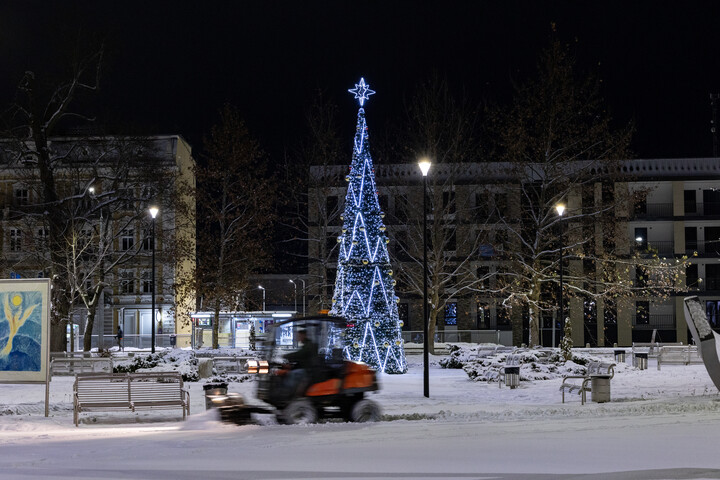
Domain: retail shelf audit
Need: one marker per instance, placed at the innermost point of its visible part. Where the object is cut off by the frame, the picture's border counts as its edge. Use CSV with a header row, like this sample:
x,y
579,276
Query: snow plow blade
x,y
233,409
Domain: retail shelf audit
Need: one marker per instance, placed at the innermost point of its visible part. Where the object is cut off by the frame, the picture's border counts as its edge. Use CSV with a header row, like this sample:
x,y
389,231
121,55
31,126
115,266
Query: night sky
x,y
170,65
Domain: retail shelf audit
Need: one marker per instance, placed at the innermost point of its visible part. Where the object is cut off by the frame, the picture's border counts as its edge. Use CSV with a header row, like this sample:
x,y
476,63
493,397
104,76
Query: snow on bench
x,y
679,355
129,391
582,383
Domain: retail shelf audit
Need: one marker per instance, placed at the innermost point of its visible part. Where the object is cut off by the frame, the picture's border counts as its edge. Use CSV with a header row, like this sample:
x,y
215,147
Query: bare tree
x,y
560,147
442,128
235,201
314,198
31,119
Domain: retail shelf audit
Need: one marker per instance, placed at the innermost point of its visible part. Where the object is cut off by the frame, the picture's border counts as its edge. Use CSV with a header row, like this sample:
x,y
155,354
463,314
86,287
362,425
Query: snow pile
x,y
546,364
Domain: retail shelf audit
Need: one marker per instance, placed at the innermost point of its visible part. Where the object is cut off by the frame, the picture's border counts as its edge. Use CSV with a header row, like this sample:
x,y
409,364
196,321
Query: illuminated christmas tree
x,y
364,287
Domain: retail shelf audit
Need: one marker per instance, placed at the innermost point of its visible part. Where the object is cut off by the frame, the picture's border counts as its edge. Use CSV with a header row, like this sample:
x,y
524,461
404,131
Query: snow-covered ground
x,y
659,425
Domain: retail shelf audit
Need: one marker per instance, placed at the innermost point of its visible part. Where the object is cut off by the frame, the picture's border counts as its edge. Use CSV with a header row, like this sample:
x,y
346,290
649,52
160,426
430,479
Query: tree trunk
x,y
534,313
87,338
216,326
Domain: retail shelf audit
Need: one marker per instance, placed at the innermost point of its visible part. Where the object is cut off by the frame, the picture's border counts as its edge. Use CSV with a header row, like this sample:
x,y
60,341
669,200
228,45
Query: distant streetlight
x,y
560,210
263,290
424,165
153,213
295,288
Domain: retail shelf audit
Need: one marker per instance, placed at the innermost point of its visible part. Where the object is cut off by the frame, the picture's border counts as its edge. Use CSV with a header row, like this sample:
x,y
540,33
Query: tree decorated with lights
x,y
364,287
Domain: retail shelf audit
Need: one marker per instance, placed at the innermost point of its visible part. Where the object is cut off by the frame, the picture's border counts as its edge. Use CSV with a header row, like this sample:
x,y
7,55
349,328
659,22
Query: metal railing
x,y
653,210
501,337
702,247
649,248
141,342
650,322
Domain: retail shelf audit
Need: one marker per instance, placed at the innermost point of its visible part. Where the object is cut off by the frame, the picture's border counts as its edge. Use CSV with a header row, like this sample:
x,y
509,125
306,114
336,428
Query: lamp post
x,y
424,165
560,210
303,293
295,287
263,290
153,214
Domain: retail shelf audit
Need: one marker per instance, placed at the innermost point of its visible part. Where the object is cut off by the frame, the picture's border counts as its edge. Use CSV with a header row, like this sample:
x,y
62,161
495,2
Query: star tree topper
x,y
362,91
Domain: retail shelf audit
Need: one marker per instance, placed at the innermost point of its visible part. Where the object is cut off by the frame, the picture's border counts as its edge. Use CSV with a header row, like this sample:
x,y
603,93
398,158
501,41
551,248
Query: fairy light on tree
x,y
364,286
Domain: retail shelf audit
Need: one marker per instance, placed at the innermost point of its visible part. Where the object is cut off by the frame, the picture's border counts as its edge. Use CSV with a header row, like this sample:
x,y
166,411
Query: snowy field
x,y
659,425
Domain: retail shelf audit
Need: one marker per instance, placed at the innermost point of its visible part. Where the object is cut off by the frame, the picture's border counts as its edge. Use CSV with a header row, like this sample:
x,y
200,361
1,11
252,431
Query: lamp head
x,y
261,287
560,209
424,165
638,239
153,211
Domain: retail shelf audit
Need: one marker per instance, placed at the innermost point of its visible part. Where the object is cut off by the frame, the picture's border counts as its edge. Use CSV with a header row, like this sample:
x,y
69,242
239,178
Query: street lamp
x,y
424,165
263,290
295,287
153,214
560,210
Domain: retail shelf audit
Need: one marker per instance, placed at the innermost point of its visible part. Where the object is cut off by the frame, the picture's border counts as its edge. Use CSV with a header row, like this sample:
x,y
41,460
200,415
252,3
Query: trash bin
x,y
173,340
600,389
620,356
213,390
512,376
641,361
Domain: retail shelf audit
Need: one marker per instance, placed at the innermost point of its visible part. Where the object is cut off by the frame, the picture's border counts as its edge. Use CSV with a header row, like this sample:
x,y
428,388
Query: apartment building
x,y
664,208
105,186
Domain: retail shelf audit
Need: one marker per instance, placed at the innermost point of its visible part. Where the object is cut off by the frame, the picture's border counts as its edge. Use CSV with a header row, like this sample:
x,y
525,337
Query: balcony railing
x,y
660,210
650,322
662,248
702,247
653,210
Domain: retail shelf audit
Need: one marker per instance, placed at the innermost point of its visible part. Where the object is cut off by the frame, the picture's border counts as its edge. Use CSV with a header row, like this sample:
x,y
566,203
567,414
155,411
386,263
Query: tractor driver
x,y
303,360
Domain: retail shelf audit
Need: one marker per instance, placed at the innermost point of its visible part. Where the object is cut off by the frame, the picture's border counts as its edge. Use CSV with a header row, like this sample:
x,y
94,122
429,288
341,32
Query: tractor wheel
x,y
366,411
299,411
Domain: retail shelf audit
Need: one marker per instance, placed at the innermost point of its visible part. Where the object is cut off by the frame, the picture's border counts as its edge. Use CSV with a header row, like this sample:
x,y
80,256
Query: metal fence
x,y
142,342
501,337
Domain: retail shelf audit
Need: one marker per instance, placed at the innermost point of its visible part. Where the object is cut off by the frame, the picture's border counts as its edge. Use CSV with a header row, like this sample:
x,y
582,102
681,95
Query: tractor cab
x,y
327,385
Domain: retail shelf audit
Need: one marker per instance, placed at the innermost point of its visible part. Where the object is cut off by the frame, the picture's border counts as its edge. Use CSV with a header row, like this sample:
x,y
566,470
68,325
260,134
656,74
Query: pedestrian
x,y
119,337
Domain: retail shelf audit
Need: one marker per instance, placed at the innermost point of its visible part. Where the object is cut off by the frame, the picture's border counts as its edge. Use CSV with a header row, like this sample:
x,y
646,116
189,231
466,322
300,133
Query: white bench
x,y
76,365
234,364
651,348
583,383
129,391
679,355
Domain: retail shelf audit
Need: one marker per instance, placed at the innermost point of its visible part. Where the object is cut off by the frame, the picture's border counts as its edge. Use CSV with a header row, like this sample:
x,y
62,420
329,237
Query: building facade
x,y
105,186
663,208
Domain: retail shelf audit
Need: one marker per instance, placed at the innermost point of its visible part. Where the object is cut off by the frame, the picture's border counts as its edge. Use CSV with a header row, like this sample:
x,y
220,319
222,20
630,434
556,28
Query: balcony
x,y
702,209
652,322
648,249
709,248
652,210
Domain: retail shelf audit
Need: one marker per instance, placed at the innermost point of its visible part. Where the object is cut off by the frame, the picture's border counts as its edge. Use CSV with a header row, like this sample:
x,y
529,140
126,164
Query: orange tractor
x,y
323,385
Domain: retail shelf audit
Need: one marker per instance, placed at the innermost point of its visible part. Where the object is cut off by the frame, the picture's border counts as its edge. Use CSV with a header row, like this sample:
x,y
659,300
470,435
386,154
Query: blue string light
x,y
364,288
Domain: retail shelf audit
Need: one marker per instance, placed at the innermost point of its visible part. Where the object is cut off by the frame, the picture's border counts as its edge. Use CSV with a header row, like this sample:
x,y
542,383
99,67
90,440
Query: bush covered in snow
x,y
534,364
177,360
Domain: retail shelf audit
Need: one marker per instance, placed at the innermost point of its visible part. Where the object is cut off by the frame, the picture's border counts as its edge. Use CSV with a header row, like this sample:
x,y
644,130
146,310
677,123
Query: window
x,y
450,239
401,245
41,237
690,202
641,238
589,311
401,208
642,313
126,197
15,240
503,316
712,277
483,275
127,281
147,239
691,244
712,240
383,202
330,243
448,203
640,277
711,202
331,204
712,310
404,315
146,282
691,277
451,313
641,205
610,312
21,196
483,316
127,239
